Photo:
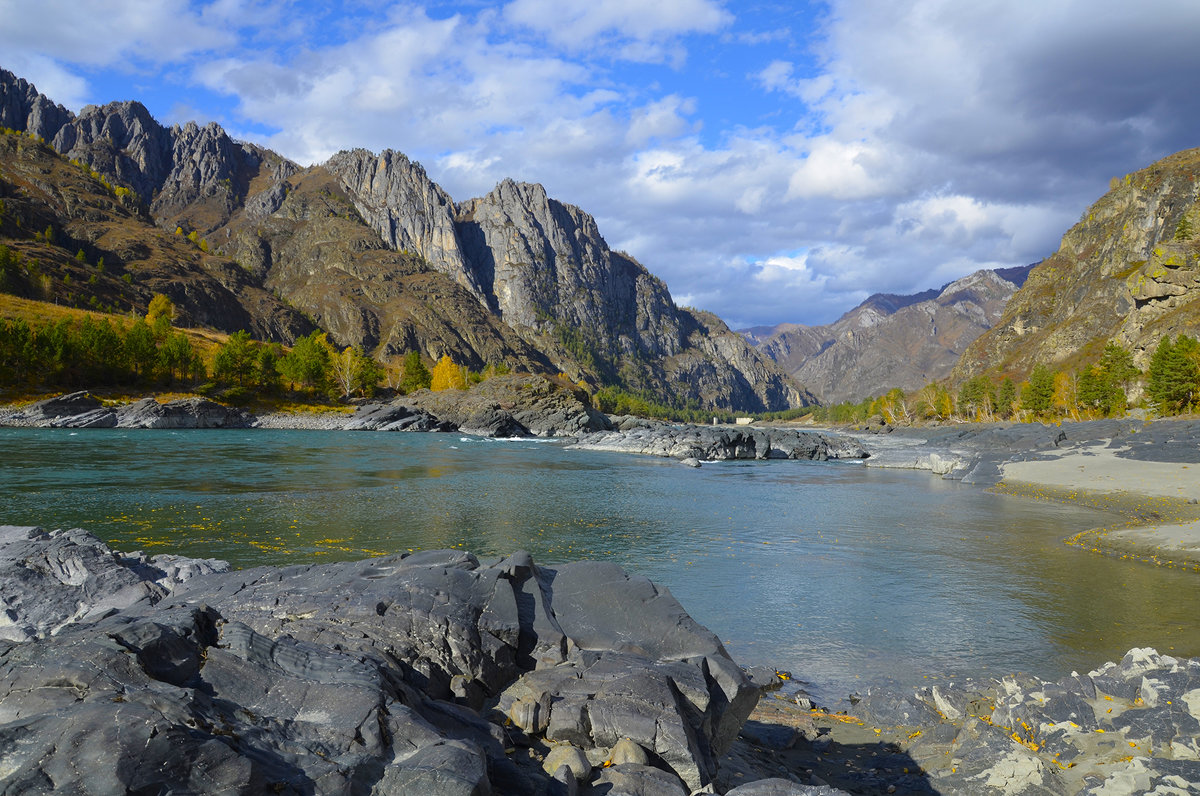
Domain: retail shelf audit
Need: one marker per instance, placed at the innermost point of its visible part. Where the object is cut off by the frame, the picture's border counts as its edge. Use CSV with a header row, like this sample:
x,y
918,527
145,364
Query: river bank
x,y
1145,472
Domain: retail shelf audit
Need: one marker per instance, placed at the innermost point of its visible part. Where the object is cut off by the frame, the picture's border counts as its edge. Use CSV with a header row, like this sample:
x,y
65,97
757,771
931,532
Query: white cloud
x,y
632,29
912,143
838,170
110,33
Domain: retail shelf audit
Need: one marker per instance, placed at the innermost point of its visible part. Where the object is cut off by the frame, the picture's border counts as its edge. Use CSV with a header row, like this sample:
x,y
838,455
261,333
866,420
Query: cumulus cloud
x,y
627,29
882,146
113,32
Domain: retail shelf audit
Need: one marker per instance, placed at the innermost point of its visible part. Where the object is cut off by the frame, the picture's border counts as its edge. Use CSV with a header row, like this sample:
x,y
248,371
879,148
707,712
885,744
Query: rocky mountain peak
x,y
364,243
24,109
892,340
396,198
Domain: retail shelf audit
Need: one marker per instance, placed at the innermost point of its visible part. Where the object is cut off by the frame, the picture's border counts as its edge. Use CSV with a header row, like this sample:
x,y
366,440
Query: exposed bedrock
x,y
429,673
720,442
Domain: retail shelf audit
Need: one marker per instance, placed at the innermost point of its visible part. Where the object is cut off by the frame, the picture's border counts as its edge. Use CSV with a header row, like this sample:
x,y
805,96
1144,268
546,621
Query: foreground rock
x,y
432,673
716,443
84,410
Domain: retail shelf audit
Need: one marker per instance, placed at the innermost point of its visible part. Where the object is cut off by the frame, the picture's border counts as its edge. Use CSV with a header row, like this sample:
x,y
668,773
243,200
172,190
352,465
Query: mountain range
x,y
107,207
890,340
113,206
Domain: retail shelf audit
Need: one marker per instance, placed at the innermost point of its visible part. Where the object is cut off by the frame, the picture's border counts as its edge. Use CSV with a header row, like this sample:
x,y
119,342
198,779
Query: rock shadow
x,y
764,750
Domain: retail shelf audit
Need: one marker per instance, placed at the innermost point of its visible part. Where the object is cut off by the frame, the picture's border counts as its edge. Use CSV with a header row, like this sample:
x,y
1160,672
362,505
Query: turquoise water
x,y
843,574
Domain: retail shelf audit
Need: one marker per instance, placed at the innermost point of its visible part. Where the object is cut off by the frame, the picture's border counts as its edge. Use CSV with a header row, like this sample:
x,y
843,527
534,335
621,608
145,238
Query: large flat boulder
x,y
399,674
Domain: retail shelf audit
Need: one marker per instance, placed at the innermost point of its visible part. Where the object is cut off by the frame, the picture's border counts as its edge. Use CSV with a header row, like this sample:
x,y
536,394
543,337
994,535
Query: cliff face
x,y
373,251
1129,271
893,341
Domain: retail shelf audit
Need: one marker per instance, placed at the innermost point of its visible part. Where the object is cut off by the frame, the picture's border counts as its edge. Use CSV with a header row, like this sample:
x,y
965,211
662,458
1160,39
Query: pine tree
x,y
141,349
1173,382
1183,230
1038,397
308,364
416,375
1006,396
236,360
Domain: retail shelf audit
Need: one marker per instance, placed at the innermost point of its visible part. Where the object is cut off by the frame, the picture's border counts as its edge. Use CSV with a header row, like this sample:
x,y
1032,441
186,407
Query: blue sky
x,y
771,161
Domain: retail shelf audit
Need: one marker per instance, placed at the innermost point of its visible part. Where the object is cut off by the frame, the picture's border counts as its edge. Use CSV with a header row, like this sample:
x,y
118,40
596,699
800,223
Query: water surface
x,y
844,574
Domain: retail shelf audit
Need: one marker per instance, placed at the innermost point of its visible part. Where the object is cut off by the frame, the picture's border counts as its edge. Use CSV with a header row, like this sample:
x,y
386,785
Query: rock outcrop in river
x,y
84,410
719,443
431,673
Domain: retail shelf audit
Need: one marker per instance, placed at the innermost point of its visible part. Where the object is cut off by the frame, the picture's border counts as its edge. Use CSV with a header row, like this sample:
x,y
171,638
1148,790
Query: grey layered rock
x,y
183,413
709,443
22,108
49,580
783,787
410,212
631,779
140,675
83,410
1128,727
74,410
393,417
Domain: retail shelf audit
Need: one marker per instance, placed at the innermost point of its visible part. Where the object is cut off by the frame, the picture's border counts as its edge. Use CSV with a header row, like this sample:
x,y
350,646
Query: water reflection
x,y
843,573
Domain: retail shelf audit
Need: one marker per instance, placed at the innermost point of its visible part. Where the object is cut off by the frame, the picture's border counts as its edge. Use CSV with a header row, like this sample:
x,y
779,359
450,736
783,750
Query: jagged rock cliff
x,y
1129,271
373,251
893,341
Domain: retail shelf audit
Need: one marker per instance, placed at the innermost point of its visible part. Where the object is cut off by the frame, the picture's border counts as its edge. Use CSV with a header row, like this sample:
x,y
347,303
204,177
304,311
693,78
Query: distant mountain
x,y
365,246
1129,272
891,340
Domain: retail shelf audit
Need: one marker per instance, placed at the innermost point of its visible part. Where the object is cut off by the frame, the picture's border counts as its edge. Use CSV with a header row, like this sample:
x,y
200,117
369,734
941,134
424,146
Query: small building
x,y
744,421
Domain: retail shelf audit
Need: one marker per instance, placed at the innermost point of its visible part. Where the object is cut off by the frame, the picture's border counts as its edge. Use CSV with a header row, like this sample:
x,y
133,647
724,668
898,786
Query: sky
x,y
771,161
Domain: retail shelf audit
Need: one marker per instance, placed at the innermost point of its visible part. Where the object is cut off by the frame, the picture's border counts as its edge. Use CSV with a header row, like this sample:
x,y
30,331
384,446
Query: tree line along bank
x,y
148,353
1106,388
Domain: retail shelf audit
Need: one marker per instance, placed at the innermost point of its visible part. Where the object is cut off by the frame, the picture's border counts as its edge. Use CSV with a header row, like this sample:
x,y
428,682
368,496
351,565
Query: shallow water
x,y
846,575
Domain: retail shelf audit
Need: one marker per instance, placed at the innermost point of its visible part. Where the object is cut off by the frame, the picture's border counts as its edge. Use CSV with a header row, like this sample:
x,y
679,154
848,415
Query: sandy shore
x,y
1157,501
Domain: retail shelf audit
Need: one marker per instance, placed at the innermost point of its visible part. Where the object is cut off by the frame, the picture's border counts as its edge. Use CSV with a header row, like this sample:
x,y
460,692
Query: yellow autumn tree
x,y
1065,396
160,306
448,376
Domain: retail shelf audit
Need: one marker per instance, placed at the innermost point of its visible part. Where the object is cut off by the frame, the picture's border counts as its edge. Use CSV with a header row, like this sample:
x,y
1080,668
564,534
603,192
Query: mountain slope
x,y
73,241
377,254
891,340
1129,271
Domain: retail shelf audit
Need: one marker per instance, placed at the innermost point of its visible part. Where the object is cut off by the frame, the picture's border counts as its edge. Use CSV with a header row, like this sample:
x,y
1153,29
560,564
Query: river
x,y
846,575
